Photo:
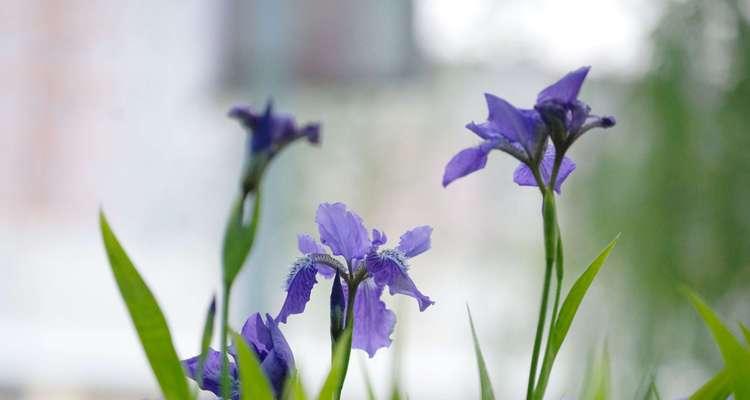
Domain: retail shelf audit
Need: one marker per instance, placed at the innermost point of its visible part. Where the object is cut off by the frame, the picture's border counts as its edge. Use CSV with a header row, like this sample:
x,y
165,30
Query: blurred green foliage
x,y
679,188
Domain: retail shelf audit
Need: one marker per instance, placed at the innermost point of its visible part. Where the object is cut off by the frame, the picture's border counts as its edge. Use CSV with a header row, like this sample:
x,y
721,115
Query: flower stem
x,y
226,389
549,358
550,230
351,296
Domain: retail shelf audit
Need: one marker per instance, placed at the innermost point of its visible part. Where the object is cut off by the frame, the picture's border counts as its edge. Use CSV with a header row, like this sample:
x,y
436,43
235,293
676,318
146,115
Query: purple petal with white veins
x,y
389,268
373,322
342,231
566,89
467,161
415,241
299,285
307,245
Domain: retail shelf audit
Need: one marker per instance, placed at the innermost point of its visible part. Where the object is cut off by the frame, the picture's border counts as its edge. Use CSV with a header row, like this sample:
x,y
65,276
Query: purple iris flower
x,y
364,266
270,347
269,133
523,133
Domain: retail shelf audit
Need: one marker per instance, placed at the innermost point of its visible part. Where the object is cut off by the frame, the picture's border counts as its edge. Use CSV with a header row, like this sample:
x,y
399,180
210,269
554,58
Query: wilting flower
x,y
267,342
364,267
523,133
269,133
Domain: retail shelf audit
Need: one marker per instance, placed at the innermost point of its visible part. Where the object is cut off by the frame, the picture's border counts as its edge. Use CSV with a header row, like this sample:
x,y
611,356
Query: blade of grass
x,y
253,382
336,373
239,238
746,333
294,389
208,333
717,388
567,313
484,378
736,356
147,317
370,391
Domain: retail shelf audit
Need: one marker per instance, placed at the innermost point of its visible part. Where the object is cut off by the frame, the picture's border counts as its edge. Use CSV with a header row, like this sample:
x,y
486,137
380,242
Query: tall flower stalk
x,y
539,138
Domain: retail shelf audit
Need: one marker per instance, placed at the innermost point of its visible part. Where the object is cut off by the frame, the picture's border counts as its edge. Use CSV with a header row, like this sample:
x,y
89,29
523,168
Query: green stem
x,y
351,296
549,358
550,226
226,388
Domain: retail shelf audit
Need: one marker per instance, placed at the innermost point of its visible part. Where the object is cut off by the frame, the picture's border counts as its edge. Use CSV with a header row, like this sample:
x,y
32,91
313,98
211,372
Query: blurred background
x,y
122,105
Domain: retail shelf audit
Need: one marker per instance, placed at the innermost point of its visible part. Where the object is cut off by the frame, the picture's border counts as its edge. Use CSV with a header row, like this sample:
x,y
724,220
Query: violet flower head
x,y
270,347
558,115
364,267
268,134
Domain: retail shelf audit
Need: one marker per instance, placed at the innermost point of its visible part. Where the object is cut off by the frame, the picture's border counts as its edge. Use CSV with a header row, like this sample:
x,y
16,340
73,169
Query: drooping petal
x,y
308,245
467,161
373,322
415,241
211,376
566,89
257,335
525,177
298,287
342,231
389,268
279,362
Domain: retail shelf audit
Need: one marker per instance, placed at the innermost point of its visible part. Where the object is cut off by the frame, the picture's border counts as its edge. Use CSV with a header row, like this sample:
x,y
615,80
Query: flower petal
x,y
415,241
257,335
373,322
516,125
279,361
389,268
525,177
211,377
485,130
467,161
342,231
299,285
566,89
307,245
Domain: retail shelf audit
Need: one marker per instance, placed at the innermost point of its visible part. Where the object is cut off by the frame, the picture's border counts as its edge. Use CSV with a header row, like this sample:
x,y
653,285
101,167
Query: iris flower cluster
x,y
558,116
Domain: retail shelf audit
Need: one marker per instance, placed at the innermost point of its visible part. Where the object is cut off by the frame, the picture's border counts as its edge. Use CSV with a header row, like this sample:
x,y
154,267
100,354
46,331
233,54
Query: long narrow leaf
x,y
736,356
208,333
239,238
147,317
368,382
484,378
336,374
253,382
719,387
294,389
746,333
567,312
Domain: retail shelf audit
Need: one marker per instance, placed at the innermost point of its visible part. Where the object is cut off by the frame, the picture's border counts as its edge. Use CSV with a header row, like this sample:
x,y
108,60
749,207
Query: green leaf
x,y
717,388
736,356
484,378
368,381
208,333
597,383
239,238
147,317
294,389
567,312
336,374
746,333
253,382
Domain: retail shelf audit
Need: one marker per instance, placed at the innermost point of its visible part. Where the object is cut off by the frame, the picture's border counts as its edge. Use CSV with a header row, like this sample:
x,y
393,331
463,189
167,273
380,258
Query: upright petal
x,y
279,362
257,335
308,245
342,231
298,287
525,177
566,89
373,322
389,268
211,376
467,161
507,119
415,241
